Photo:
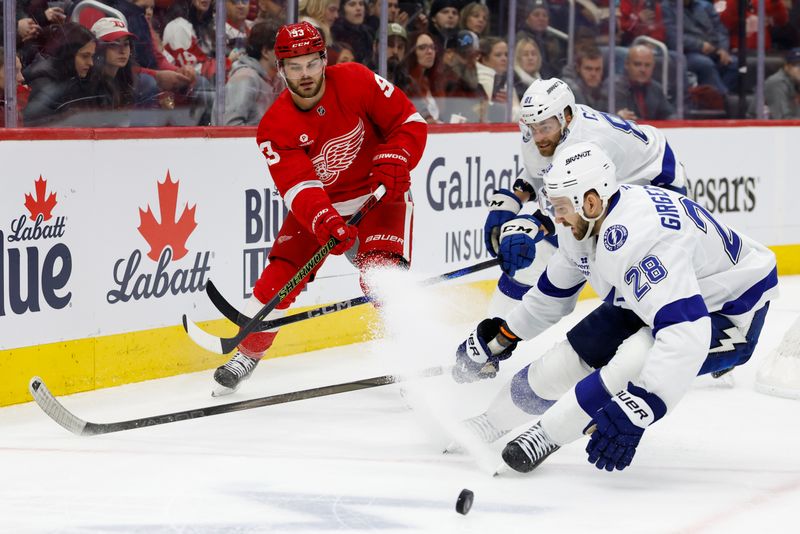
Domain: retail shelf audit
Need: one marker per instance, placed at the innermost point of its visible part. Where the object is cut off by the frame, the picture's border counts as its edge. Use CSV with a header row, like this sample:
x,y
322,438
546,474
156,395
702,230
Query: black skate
x,y
529,449
232,374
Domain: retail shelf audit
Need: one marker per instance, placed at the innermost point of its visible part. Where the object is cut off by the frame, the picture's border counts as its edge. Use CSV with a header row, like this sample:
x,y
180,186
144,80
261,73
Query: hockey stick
x,y
238,318
224,345
58,413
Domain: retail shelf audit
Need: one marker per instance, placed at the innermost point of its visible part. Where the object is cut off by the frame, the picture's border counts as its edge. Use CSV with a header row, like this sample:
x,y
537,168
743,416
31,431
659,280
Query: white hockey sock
x,y
537,386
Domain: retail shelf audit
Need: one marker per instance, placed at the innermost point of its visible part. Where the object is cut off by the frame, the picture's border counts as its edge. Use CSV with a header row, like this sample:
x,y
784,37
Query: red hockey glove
x,y
390,168
314,210
328,223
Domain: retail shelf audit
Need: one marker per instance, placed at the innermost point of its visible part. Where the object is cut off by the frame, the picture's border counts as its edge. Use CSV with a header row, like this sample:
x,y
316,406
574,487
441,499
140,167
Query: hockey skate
x,y
230,376
529,449
482,428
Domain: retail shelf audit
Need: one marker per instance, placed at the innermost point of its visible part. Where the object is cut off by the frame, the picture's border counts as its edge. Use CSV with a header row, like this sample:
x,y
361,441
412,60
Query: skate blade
x,y
453,448
222,391
500,469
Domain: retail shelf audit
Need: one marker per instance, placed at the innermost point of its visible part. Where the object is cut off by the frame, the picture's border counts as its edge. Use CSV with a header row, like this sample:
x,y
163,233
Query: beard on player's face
x,y
307,86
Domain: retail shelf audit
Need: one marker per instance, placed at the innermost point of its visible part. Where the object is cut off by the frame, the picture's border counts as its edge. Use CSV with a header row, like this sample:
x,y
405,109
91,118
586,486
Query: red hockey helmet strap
x,y
298,39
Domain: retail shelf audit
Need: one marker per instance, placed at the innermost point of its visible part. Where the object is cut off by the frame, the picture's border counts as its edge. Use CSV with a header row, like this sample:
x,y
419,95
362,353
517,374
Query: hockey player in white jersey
x,y
690,293
551,121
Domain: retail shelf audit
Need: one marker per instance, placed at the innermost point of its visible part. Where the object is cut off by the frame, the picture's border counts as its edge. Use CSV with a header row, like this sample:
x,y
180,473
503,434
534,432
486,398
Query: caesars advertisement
x,y
112,236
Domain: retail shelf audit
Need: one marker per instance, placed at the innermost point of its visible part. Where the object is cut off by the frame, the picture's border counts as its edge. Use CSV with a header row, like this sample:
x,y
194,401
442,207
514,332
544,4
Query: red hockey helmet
x,y
298,40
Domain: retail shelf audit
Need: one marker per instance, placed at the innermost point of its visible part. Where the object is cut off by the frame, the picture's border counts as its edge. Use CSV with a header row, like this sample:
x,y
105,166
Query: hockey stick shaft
x,y
226,345
58,413
238,318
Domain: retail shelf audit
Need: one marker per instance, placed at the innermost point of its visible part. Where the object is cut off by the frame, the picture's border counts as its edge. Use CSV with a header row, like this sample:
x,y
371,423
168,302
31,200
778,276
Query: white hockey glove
x,y
479,356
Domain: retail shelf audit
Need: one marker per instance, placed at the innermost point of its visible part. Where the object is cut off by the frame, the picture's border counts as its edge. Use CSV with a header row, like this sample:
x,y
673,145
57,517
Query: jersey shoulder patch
x,y
614,237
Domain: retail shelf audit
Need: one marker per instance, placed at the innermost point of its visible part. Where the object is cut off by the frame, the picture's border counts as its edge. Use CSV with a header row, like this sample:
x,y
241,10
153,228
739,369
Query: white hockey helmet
x,y
577,169
547,98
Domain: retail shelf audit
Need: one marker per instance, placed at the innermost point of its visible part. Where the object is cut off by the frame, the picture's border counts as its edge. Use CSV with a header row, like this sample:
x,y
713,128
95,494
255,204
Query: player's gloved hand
x,y
390,168
479,356
328,223
619,426
518,238
503,206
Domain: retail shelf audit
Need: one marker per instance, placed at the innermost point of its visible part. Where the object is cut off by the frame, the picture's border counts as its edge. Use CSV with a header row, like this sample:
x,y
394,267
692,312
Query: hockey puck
x,y
464,502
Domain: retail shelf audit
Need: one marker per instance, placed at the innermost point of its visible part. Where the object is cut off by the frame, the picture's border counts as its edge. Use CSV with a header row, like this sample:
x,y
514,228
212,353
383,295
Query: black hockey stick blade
x,y
224,345
235,316
58,413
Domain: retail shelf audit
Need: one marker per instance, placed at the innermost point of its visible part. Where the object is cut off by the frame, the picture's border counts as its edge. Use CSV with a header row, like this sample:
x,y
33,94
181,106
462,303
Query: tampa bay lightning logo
x,y
527,135
615,237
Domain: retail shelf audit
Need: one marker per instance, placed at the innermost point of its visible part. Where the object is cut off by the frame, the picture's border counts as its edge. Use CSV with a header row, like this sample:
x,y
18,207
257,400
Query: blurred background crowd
x,y
117,63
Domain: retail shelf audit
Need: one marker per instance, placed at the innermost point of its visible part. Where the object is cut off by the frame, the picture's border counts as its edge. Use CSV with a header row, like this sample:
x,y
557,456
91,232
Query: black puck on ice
x,y
464,502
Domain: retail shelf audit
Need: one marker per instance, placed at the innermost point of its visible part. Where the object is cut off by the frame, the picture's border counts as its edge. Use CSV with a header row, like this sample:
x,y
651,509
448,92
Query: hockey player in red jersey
x,y
329,140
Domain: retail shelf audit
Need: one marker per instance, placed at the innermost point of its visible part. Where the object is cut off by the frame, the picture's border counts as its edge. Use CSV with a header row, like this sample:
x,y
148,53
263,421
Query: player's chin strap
x,y
592,221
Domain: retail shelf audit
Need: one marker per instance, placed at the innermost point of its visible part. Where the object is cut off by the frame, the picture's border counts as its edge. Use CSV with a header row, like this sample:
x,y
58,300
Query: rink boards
x,y
108,237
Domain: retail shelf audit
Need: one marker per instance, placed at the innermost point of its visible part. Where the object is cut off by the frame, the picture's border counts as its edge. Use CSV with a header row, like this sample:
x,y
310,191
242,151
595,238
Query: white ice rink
x,y
727,460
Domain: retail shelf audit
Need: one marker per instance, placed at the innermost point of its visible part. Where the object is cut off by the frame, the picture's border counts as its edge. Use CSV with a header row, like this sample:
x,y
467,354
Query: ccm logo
x,y
518,228
384,237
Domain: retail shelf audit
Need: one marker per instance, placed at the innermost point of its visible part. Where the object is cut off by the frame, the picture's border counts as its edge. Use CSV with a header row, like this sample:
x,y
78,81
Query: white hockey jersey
x,y
667,259
640,152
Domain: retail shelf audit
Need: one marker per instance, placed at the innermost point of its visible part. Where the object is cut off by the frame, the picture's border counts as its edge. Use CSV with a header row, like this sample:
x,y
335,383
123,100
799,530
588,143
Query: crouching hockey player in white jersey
x,y
687,294
552,121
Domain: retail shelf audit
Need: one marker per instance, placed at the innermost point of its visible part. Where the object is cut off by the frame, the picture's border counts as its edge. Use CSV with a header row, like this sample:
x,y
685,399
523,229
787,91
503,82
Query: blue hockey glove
x,y
479,356
518,238
503,206
619,425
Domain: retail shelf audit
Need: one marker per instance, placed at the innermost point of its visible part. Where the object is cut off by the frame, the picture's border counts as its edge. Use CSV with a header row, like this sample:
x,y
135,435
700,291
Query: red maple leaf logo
x,y
167,233
40,206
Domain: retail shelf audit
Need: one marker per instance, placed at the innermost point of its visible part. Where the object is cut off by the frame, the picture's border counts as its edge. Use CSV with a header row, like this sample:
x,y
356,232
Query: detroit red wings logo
x,y
337,154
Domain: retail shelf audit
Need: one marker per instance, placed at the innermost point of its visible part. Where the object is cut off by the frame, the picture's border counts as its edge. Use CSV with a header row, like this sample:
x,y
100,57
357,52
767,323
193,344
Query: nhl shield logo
x,y
321,111
615,237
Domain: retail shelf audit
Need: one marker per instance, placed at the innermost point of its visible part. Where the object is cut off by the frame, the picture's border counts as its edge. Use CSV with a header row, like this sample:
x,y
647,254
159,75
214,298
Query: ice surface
x,y
727,460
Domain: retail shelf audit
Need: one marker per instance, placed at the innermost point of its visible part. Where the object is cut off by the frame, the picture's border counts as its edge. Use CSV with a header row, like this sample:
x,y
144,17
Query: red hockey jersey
x,y
332,144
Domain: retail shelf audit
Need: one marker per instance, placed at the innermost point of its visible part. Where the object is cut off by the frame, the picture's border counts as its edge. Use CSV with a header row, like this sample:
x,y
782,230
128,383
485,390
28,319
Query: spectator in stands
x,y
527,62
782,89
534,24
475,17
270,11
776,13
705,43
421,78
22,90
443,21
412,15
237,27
189,36
254,83
340,53
114,74
492,74
588,84
320,13
61,84
466,100
350,28
637,95
134,11
396,42
148,54
396,45
641,17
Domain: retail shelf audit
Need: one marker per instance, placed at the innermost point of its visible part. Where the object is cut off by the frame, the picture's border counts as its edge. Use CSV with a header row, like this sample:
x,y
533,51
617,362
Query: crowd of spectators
x,y
150,62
